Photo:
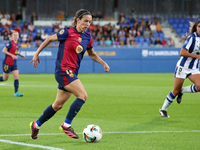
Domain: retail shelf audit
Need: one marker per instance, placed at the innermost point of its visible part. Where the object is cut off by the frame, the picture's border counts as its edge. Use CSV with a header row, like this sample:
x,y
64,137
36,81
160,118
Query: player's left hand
x,y
34,60
106,67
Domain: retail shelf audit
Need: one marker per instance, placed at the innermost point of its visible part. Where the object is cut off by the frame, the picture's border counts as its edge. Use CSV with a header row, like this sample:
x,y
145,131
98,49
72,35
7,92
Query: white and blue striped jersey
x,y
192,45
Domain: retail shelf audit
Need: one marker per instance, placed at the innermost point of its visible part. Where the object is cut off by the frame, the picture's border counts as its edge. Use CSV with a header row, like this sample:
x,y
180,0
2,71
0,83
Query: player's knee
x,y
83,97
57,107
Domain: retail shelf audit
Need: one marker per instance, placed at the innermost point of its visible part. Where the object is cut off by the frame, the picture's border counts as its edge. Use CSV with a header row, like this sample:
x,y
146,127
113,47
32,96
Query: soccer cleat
x,y
163,113
69,131
17,94
34,130
179,97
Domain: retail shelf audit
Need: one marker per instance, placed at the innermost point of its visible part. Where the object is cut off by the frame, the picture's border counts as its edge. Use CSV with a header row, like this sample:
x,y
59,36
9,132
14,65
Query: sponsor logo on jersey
x,y
80,39
79,49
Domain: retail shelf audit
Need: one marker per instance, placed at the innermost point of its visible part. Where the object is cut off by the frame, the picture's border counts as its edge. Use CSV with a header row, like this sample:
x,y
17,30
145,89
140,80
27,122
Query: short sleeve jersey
x,y
192,45
72,47
13,49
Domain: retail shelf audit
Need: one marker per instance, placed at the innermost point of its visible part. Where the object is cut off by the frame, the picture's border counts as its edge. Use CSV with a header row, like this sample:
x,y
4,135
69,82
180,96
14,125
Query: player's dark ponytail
x,y
193,28
79,14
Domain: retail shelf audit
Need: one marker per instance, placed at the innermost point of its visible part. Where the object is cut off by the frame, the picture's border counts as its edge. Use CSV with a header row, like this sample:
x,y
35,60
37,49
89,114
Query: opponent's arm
x,y
96,58
185,53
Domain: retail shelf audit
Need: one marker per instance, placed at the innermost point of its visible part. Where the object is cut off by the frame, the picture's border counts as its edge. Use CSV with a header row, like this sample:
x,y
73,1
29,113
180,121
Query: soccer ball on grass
x,y
92,133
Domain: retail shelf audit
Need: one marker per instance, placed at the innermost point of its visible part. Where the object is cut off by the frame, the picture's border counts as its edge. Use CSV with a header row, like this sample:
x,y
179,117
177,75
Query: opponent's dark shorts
x,y
9,68
64,78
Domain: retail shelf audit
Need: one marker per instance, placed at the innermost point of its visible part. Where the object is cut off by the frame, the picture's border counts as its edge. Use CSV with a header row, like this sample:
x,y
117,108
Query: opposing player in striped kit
x,y
186,67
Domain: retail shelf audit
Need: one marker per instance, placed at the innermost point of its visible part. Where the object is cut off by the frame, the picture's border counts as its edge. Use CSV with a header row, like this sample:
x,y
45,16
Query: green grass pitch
x,y
125,106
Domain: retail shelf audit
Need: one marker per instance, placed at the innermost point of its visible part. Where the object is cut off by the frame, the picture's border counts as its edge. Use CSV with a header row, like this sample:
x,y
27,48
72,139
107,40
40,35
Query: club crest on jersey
x,y
79,49
80,39
61,32
8,44
70,73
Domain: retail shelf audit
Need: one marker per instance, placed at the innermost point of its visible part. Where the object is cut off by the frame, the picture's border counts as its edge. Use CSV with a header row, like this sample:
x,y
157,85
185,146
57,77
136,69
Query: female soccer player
x,y
10,62
74,41
187,67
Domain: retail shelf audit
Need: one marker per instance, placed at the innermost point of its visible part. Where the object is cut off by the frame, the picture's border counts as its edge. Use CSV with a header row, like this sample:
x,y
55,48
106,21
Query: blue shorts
x,y
9,68
64,78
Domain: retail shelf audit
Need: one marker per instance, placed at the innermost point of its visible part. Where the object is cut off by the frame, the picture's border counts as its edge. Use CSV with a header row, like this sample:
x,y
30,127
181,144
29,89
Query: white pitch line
x,y
129,132
30,145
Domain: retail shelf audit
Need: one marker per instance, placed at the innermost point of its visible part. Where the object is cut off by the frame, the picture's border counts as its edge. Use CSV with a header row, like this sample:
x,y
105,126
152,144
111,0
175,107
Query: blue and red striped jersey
x,y
13,49
72,47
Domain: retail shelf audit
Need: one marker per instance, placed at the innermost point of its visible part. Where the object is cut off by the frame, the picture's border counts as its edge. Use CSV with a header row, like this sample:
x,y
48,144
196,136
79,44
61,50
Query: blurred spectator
x,y
30,44
6,37
67,17
121,42
24,36
99,16
61,26
33,17
133,12
38,38
158,27
108,42
44,36
153,27
148,23
93,16
13,18
19,16
60,16
30,36
157,41
171,42
164,42
56,27
31,27
9,23
116,42
24,45
146,33
3,21
102,42
133,43
7,15
17,28
94,37
132,31
92,27
25,26
40,30
1,37
99,36
121,18
37,43
151,41
6,31
1,15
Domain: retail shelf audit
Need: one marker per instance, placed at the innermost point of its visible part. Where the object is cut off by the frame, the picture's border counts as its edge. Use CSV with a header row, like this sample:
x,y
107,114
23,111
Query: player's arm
x,y
5,51
41,47
185,53
96,58
20,55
